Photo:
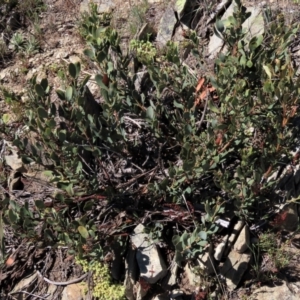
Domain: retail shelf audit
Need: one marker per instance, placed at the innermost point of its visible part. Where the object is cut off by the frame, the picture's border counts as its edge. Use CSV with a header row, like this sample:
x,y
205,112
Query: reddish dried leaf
x,y
200,84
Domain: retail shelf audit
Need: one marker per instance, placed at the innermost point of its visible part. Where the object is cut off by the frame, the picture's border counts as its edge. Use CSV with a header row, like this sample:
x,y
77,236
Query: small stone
x,y
206,260
220,249
171,278
289,217
151,264
194,280
176,294
278,292
243,241
130,274
236,230
15,162
234,268
166,27
73,292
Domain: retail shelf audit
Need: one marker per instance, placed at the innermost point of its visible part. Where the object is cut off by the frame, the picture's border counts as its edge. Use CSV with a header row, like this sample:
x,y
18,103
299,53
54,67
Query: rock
x,y
243,241
254,26
162,297
74,59
151,264
177,294
106,7
15,162
220,249
215,44
140,291
117,265
255,23
51,291
166,27
206,260
171,278
73,292
27,284
236,230
184,9
145,32
130,274
289,217
278,292
234,268
194,280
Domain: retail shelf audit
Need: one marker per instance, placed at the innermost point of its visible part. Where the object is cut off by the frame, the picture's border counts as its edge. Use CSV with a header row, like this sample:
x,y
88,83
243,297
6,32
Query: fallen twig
x,y
76,280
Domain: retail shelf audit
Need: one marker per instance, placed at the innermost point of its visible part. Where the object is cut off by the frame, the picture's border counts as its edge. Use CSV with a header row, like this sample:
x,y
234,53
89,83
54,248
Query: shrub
x,y
209,142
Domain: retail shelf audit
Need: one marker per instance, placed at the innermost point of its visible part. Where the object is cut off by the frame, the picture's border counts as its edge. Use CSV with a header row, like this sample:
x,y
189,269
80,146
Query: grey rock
x,y
140,291
254,26
243,241
206,260
166,27
215,44
255,23
176,294
131,269
279,292
171,278
150,262
106,7
15,162
73,292
26,284
220,249
234,268
194,280
162,297
236,230
291,220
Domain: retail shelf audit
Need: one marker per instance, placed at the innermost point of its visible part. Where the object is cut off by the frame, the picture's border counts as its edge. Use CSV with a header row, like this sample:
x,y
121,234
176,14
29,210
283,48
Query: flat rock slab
x,y
278,292
254,26
234,268
166,27
151,265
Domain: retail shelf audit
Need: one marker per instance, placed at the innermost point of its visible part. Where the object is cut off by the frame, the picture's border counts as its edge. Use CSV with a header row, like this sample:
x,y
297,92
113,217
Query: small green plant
x,y
31,46
144,50
17,41
103,287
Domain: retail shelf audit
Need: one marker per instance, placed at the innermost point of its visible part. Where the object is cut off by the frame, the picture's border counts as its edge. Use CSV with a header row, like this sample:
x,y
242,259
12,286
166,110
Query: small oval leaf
x,y
83,231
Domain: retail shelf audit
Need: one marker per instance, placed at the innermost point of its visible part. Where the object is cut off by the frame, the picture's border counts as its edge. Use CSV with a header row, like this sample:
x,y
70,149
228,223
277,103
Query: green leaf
x,y
101,57
89,53
5,118
72,70
203,235
39,90
268,71
69,93
98,79
249,64
220,26
13,217
39,204
42,113
83,232
61,94
150,113
44,83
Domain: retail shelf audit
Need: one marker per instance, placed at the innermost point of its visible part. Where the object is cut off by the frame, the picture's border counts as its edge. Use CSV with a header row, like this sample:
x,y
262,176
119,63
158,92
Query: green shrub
x,y
214,151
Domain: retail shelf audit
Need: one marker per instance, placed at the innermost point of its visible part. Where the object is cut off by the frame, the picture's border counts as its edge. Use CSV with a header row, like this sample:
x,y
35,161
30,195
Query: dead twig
x,y
76,280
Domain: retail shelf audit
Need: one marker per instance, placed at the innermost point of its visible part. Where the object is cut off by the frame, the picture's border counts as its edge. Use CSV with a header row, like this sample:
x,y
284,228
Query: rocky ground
x,y
228,269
